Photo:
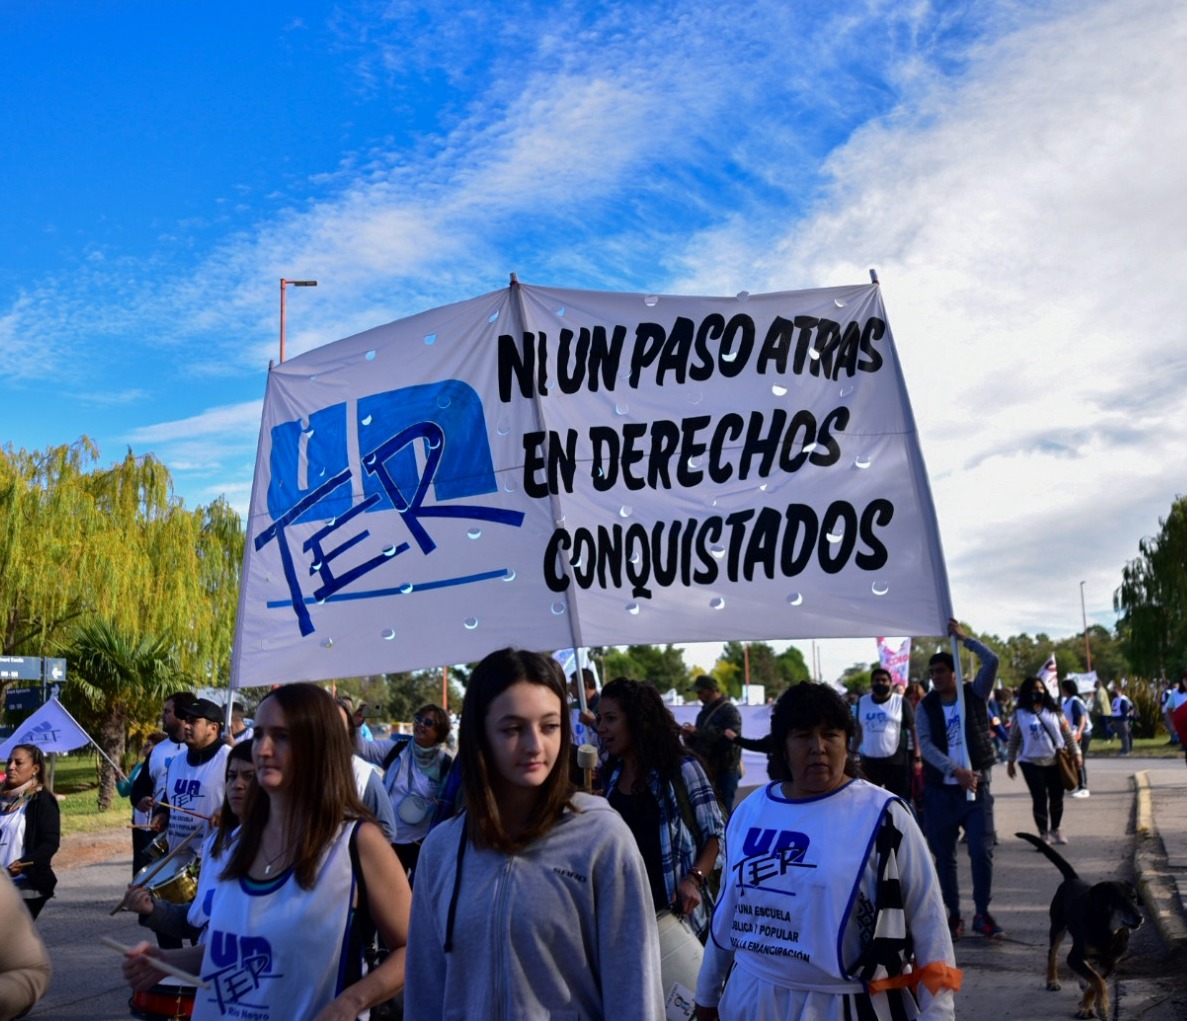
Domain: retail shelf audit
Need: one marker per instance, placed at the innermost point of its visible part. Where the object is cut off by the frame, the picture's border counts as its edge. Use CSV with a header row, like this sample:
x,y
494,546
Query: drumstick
x,y
155,868
184,811
139,826
156,962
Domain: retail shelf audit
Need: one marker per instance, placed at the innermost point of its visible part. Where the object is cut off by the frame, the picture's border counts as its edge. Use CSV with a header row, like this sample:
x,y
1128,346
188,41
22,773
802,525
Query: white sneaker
x,y
1046,838
1083,792
1057,838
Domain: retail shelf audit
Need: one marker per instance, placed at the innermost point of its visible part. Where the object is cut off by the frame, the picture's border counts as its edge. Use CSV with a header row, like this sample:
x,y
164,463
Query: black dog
x,y
1099,919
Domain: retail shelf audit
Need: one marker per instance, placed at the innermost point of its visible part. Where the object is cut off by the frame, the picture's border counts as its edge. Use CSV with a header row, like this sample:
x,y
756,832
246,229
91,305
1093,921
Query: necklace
x,y
272,861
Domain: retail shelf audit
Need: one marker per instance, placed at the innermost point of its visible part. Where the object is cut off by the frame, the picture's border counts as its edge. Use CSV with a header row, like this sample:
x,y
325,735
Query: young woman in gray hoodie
x,y
534,902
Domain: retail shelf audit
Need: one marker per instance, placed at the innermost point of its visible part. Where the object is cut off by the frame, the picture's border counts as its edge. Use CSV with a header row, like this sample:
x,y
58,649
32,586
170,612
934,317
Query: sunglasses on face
x,y
424,721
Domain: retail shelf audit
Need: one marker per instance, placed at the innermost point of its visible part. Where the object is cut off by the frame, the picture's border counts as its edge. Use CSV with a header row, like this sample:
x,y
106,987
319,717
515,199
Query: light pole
x,y
1084,617
283,284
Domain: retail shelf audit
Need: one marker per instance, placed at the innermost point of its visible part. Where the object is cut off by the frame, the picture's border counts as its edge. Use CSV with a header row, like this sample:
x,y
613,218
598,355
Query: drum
x,y
680,954
176,882
158,848
168,1000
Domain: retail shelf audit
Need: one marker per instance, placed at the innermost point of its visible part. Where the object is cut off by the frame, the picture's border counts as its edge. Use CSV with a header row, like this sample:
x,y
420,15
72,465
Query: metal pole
x,y
1084,617
283,284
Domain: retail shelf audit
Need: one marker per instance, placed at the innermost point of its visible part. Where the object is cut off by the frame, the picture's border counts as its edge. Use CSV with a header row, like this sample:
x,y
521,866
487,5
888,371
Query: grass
x,y
76,778
1143,747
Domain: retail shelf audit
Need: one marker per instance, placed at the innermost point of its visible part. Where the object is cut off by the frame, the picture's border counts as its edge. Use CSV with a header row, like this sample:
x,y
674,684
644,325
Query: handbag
x,y
1069,774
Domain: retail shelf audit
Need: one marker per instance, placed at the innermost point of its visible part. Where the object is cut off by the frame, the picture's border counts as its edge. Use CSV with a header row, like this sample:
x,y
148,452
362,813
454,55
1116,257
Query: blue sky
x,y
1012,169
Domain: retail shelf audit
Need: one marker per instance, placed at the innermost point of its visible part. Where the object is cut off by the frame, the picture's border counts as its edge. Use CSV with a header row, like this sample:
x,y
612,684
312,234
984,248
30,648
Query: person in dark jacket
x,y
30,827
707,738
958,758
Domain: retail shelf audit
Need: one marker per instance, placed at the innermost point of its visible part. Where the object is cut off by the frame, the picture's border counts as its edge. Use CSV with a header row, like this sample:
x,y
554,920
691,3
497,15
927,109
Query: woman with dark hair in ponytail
x,y
660,788
533,902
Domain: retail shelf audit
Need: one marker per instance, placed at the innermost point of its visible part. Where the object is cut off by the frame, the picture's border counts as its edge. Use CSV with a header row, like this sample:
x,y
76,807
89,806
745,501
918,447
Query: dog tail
x,y
1055,857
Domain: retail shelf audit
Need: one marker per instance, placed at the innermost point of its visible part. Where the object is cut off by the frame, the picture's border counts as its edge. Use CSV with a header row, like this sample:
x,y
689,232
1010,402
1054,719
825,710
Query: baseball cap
x,y
205,709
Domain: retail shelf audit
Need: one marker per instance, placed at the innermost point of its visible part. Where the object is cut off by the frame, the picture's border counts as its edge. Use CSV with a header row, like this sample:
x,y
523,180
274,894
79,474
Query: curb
x,y
1158,891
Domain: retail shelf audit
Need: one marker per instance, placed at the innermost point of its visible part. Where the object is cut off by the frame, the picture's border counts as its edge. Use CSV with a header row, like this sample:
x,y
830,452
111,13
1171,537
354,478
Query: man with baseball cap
x,y
195,783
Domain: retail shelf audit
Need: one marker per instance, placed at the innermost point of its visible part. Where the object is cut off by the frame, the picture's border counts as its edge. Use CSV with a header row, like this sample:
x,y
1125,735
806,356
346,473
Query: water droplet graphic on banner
x,y
794,599
879,588
862,462
622,408
443,401
558,609
389,634
717,603
846,391
370,356
651,300
470,623
406,588
390,550
509,576
367,421
473,533
838,302
493,316
779,391
430,339
632,609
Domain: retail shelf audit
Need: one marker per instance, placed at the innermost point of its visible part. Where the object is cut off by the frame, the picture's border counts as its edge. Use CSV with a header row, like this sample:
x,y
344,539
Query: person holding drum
x,y
30,827
533,902
185,919
830,908
661,790
414,772
303,882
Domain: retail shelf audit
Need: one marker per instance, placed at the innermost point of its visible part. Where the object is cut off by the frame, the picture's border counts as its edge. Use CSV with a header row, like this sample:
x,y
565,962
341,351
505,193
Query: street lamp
x,y
1084,617
283,284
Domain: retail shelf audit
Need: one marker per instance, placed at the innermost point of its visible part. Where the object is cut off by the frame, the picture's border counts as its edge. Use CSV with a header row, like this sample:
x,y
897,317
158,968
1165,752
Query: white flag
x,y
51,728
1049,673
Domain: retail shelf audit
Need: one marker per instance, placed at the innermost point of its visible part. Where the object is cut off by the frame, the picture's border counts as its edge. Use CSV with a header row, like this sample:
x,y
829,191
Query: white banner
x,y
554,468
896,658
51,728
1049,675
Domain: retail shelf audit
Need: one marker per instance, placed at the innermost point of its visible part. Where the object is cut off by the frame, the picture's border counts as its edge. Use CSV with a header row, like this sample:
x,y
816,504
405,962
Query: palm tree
x,y
115,679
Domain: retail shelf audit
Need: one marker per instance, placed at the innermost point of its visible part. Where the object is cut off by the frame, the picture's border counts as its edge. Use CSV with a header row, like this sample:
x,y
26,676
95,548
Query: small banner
x,y
894,654
51,728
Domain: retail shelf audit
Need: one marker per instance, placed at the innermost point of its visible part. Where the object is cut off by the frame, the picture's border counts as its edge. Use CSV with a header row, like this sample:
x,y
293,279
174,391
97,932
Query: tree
x,y
1152,598
662,666
80,543
114,679
774,671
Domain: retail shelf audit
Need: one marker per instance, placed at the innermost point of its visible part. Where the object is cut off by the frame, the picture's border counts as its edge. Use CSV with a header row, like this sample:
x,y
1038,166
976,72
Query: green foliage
x,y
79,543
775,671
1152,598
662,666
115,678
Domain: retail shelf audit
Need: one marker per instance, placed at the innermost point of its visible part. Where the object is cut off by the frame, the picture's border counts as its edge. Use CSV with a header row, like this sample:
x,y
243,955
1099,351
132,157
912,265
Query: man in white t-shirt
x,y
884,719
173,725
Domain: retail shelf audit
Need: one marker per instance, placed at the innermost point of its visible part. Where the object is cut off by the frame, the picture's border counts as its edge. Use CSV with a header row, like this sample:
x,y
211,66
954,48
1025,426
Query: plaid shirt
x,y
677,846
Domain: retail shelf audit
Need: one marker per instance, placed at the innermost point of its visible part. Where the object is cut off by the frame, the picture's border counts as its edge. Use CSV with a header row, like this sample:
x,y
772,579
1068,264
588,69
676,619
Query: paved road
x,y
1003,980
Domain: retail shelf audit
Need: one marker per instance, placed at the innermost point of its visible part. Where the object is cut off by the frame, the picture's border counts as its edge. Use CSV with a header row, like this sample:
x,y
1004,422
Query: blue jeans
x,y
1121,727
946,810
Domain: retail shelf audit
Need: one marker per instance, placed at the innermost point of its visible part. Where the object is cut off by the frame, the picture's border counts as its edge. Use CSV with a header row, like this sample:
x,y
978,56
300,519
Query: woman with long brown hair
x,y
306,876
662,792
533,902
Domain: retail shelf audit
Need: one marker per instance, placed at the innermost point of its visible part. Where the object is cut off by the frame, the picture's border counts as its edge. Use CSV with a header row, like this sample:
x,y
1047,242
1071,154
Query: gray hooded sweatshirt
x,y
561,930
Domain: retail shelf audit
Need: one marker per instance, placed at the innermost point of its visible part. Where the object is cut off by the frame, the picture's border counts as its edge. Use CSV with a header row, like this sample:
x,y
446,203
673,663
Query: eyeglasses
x,y
424,720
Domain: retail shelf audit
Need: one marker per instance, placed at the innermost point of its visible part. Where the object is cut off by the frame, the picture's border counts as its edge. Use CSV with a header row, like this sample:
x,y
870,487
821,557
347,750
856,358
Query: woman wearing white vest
x,y
828,885
290,908
1038,732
